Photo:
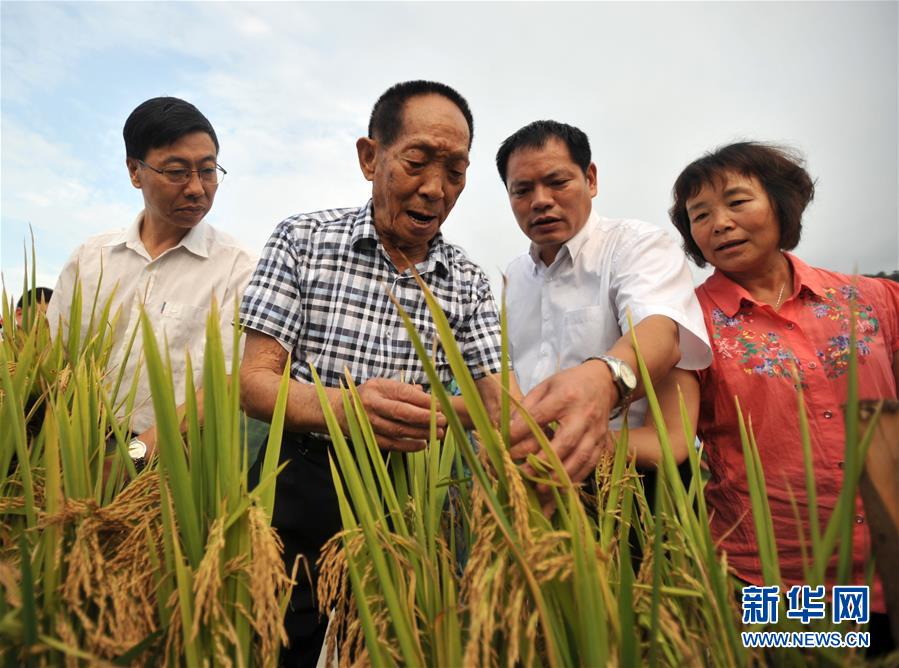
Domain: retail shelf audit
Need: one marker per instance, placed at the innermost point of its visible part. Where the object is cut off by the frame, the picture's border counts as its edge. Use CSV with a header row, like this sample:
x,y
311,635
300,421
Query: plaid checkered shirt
x,y
321,289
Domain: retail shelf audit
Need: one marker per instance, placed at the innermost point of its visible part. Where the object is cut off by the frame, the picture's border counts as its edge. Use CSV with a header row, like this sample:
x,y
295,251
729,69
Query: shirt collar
x,y
365,235
130,236
196,240
729,295
805,276
574,245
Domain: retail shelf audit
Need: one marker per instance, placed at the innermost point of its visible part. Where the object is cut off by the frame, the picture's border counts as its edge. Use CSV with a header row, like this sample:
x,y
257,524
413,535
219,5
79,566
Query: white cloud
x,y
289,87
44,188
252,25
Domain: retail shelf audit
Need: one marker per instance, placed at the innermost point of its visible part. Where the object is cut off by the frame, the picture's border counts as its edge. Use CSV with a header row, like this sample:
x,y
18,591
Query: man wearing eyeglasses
x,y
170,261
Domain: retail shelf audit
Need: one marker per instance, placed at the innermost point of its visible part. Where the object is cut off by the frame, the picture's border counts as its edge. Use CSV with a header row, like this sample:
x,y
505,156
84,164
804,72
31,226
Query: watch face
x,y
137,449
627,375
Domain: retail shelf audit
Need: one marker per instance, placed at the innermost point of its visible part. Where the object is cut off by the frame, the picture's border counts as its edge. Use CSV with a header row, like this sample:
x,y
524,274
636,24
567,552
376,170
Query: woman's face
x,y
734,225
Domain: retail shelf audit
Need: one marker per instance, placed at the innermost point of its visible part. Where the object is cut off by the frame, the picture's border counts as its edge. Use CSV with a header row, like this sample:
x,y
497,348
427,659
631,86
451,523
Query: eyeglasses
x,y
181,175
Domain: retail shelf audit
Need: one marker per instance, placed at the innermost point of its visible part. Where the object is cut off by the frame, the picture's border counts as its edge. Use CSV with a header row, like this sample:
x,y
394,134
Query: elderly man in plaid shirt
x,y
320,295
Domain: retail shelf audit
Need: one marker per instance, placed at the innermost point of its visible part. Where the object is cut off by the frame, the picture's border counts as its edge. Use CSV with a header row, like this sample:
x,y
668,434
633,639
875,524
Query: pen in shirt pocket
x,y
162,308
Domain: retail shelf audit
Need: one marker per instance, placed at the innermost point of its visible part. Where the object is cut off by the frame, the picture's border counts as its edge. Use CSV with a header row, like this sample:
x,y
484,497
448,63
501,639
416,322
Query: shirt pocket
x,y
582,332
184,327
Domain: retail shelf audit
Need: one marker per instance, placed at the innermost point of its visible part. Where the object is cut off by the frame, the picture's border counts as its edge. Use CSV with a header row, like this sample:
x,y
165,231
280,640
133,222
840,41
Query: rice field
x,y
446,558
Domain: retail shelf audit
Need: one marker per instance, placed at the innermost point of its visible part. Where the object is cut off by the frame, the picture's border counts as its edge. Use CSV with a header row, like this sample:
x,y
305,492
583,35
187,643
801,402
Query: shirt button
x,y
812,365
790,325
828,415
859,519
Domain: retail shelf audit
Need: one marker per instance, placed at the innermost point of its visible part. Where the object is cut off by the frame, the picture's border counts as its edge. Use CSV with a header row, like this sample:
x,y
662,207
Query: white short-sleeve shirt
x,y
577,307
176,288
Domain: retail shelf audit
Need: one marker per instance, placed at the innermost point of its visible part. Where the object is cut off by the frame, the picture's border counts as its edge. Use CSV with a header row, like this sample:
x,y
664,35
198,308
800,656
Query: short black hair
x,y
386,119
779,169
536,134
40,294
162,121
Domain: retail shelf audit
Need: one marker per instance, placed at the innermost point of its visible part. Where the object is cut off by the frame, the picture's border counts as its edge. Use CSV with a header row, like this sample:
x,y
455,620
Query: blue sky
x,y
289,86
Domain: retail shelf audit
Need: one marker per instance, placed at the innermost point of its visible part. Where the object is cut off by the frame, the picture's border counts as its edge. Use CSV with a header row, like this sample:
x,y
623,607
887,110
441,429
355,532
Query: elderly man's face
x,y
417,179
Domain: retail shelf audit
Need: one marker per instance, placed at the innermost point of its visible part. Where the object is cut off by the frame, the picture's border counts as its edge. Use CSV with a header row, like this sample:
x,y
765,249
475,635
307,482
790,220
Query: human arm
x,y
149,436
400,413
581,398
226,277
643,441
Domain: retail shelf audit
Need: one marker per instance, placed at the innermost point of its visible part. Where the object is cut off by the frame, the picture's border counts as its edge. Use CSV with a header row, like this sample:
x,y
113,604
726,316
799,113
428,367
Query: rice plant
x,y
100,565
605,581
446,558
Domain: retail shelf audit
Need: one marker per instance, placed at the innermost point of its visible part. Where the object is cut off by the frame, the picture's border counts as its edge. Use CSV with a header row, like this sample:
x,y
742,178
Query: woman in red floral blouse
x,y
768,314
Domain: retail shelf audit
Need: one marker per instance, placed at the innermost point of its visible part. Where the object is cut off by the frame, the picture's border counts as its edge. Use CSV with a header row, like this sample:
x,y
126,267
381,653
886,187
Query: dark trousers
x,y
305,515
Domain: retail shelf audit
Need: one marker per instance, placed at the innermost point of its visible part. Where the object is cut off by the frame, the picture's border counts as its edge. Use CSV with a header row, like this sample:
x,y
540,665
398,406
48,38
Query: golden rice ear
x,y
446,558
95,567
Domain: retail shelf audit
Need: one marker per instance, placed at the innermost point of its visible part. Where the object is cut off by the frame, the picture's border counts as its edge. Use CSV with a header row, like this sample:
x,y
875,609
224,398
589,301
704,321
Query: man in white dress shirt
x,y
170,261
569,296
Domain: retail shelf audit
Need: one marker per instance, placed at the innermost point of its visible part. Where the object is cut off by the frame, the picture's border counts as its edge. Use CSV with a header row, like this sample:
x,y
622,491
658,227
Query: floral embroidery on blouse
x,y
765,354
834,306
762,354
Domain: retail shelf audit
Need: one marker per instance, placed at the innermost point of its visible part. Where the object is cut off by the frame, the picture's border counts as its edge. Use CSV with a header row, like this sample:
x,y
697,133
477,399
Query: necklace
x,y
780,295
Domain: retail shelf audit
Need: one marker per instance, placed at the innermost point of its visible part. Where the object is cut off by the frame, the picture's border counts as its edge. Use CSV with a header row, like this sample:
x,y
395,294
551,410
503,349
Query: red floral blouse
x,y
755,349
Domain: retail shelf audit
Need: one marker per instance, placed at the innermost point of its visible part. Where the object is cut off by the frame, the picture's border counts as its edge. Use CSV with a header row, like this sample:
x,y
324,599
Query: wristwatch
x,y
624,378
137,450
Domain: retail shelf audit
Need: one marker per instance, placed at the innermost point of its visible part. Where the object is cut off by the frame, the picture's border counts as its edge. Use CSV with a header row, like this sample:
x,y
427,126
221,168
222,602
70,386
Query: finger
x,y
409,394
402,445
580,466
535,405
414,412
441,419
524,448
545,497
393,430
549,508
580,446
573,431
399,411
530,445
